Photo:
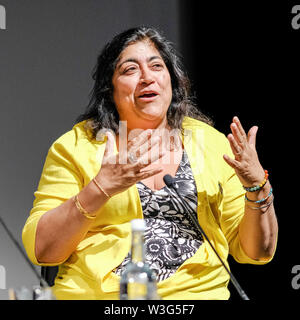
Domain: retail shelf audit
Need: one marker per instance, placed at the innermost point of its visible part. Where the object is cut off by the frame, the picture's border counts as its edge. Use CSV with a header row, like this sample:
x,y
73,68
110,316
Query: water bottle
x,y
138,281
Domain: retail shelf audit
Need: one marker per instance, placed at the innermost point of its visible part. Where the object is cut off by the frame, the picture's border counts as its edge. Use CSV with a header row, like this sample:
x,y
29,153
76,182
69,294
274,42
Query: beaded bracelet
x,y
263,206
260,186
262,200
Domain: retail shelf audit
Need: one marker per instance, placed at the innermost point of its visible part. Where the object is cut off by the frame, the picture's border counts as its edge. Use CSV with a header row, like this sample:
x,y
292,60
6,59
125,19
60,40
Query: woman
x,y
91,187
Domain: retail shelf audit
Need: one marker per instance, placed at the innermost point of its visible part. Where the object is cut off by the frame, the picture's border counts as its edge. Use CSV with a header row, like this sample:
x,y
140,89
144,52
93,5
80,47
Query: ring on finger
x,y
132,158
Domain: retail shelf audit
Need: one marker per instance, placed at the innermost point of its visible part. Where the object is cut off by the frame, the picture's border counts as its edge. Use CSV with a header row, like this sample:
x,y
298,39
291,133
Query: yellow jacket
x,y
75,158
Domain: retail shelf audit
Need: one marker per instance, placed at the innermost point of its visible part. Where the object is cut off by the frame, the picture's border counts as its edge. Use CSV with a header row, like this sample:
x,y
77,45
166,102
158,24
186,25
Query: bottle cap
x,y
138,225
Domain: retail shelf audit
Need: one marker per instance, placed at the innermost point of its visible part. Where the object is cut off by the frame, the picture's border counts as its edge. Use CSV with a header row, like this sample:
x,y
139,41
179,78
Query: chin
x,y
153,117
151,113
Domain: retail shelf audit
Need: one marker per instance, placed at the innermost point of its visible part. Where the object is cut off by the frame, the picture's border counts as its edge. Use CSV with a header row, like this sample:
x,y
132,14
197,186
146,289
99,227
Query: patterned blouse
x,y
170,237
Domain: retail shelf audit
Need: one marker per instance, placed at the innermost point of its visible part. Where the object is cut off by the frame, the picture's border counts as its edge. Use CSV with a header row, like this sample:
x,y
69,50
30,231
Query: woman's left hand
x,y
245,163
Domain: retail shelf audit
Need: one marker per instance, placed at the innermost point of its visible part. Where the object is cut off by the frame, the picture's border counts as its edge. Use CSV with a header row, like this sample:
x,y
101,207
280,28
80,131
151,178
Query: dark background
x,y
242,58
246,63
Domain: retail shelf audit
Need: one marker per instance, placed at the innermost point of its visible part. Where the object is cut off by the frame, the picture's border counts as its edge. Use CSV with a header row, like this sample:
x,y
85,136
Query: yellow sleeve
x,y
232,212
60,180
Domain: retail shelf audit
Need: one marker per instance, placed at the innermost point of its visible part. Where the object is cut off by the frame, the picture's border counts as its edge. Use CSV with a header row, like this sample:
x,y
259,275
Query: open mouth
x,y
148,95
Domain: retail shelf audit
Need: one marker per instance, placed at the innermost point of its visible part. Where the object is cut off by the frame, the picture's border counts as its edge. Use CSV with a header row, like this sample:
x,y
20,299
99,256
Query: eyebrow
x,y
136,61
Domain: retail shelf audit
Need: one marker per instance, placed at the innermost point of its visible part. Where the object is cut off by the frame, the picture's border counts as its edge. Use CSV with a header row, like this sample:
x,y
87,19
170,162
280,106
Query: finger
x,y
136,140
232,162
140,143
237,134
252,135
148,173
236,149
148,152
141,154
109,156
149,158
236,120
149,145
109,147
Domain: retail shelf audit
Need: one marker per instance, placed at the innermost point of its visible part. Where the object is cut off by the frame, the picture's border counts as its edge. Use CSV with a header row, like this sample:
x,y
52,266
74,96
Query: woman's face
x,y
142,89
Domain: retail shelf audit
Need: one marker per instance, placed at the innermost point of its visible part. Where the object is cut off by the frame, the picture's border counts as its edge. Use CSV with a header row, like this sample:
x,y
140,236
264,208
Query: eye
x,y
129,70
157,66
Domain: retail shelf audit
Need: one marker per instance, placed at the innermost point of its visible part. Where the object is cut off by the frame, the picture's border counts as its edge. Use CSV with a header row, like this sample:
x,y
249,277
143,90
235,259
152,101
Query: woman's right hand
x,y
61,229
118,172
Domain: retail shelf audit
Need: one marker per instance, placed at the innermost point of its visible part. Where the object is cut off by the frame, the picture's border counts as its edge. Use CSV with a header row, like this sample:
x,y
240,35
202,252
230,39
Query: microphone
x,y
16,243
170,183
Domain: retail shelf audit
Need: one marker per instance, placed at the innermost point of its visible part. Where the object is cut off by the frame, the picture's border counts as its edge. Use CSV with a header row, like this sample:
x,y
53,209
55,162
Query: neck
x,y
148,124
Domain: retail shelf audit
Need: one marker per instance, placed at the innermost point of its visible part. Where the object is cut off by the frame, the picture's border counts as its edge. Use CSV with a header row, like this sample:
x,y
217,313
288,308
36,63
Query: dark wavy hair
x,y
101,110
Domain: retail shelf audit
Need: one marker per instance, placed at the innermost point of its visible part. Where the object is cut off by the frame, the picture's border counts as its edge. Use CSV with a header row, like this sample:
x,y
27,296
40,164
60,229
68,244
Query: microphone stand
x,y
169,181
16,243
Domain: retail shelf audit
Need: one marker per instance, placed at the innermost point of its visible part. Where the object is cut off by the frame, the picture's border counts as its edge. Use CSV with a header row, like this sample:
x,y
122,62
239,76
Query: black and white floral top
x,y
170,237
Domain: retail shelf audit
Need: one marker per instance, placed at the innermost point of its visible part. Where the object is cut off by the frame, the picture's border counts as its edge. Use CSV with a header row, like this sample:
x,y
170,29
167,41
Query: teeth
x,y
149,95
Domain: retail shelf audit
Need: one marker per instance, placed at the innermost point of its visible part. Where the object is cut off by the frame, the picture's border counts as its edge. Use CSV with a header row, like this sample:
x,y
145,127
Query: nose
x,y
146,76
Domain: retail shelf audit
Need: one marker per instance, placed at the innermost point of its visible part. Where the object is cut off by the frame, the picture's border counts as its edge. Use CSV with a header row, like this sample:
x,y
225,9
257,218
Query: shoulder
x,y
78,139
78,134
73,136
210,133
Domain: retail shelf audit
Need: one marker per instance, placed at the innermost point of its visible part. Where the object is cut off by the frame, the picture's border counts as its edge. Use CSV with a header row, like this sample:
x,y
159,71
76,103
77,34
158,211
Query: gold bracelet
x,y
100,187
81,209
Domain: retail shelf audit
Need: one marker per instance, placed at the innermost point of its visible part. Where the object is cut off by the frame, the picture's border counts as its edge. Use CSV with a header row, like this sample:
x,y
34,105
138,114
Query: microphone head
x,y
168,180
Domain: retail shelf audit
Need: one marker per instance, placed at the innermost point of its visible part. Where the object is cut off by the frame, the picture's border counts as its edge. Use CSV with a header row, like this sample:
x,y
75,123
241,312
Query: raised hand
x,y
245,163
120,171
